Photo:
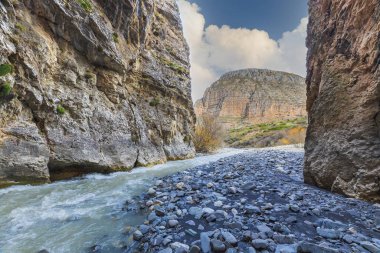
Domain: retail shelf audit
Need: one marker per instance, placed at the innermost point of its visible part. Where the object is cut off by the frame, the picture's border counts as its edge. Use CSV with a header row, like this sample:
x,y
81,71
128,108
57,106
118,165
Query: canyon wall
x,y
254,96
91,86
343,97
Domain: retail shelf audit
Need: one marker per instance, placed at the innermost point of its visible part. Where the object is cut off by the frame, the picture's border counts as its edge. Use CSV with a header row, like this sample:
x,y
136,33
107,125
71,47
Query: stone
x,y
207,210
137,235
173,223
328,233
218,203
305,247
283,239
217,246
151,191
249,209
260,244
195,249
283,248
167,250
144,229
264,228
180,185
232,190
178,245
370,247
205,243
294,208
107,121
160,212
196,211
343,158
229,238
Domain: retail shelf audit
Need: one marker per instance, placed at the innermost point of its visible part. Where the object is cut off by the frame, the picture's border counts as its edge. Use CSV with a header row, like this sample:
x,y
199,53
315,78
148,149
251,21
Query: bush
x,y
5,89
115,37
21,27
208,135
5,69
61,110
154,102
86,5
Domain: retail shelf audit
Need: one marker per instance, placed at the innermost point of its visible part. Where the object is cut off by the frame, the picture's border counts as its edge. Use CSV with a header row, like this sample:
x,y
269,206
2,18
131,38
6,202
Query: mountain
x,y
343,97
91,86
254,96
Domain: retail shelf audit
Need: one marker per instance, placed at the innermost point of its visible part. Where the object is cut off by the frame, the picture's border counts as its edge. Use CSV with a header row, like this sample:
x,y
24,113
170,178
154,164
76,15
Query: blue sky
x,y
273,16
227,35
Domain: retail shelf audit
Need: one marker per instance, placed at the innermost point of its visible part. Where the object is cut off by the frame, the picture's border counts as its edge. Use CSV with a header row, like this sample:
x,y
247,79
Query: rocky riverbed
x,y
252,202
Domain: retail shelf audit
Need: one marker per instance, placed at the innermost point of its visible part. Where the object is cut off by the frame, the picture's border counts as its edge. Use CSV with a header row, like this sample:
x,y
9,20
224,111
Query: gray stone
x,y
306,247
137,235
286,248
167,250
217,246
229,238
260,244
370,247
195,249
328,233
205,243
173,223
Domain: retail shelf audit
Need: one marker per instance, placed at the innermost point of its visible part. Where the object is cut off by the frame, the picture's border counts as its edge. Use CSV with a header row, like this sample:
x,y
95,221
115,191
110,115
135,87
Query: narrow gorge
x,y
93,86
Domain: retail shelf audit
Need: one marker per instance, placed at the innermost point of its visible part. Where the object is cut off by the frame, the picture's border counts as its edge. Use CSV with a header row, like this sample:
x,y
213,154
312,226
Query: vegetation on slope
x,y
268,134
208,135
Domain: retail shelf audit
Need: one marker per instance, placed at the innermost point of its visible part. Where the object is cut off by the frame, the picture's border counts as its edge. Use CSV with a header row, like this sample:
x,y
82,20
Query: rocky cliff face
x,y
254,96
343,97
94,86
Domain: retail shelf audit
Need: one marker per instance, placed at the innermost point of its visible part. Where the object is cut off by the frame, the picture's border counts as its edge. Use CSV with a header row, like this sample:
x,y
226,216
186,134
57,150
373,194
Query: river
x,y
74,215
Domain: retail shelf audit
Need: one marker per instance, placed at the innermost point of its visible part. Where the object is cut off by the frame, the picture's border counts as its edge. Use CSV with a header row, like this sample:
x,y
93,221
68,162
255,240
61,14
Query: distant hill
x,y
254,96
257,107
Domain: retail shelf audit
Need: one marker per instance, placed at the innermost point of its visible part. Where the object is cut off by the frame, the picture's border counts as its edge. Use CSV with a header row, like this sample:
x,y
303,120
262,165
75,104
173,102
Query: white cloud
x,y
215,50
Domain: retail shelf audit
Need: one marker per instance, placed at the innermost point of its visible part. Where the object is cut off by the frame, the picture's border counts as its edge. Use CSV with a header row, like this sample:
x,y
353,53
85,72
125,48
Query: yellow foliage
x,y
209,134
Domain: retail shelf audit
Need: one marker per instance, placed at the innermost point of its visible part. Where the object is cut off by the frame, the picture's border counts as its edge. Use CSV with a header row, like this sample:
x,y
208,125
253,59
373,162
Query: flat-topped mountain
x,y
254,96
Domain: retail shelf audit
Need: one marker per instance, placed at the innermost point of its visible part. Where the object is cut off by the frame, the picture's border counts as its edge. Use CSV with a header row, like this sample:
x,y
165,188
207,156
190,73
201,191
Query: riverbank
x,y
73,215
251,202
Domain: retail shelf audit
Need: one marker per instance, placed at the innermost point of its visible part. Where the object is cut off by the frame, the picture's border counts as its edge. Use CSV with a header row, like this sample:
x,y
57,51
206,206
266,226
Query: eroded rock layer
x,y
343,97
96,86
254,96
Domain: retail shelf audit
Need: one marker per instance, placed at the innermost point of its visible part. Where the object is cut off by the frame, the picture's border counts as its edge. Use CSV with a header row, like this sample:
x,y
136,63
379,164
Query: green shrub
x,y
5,69
86,5
5,89
154,102
61,110
115,37
20,27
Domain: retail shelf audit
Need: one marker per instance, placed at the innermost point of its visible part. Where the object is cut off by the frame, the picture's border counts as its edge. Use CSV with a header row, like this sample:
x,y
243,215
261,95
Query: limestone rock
x,y
254,96
96,88
343,94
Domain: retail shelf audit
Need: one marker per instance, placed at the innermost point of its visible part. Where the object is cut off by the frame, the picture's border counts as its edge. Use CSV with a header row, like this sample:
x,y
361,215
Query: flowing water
x,y
74,215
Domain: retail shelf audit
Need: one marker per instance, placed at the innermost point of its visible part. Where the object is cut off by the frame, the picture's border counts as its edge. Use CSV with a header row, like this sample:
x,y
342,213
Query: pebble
x,y
243,204
217,246
260,244
173,223
137,235
205,243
